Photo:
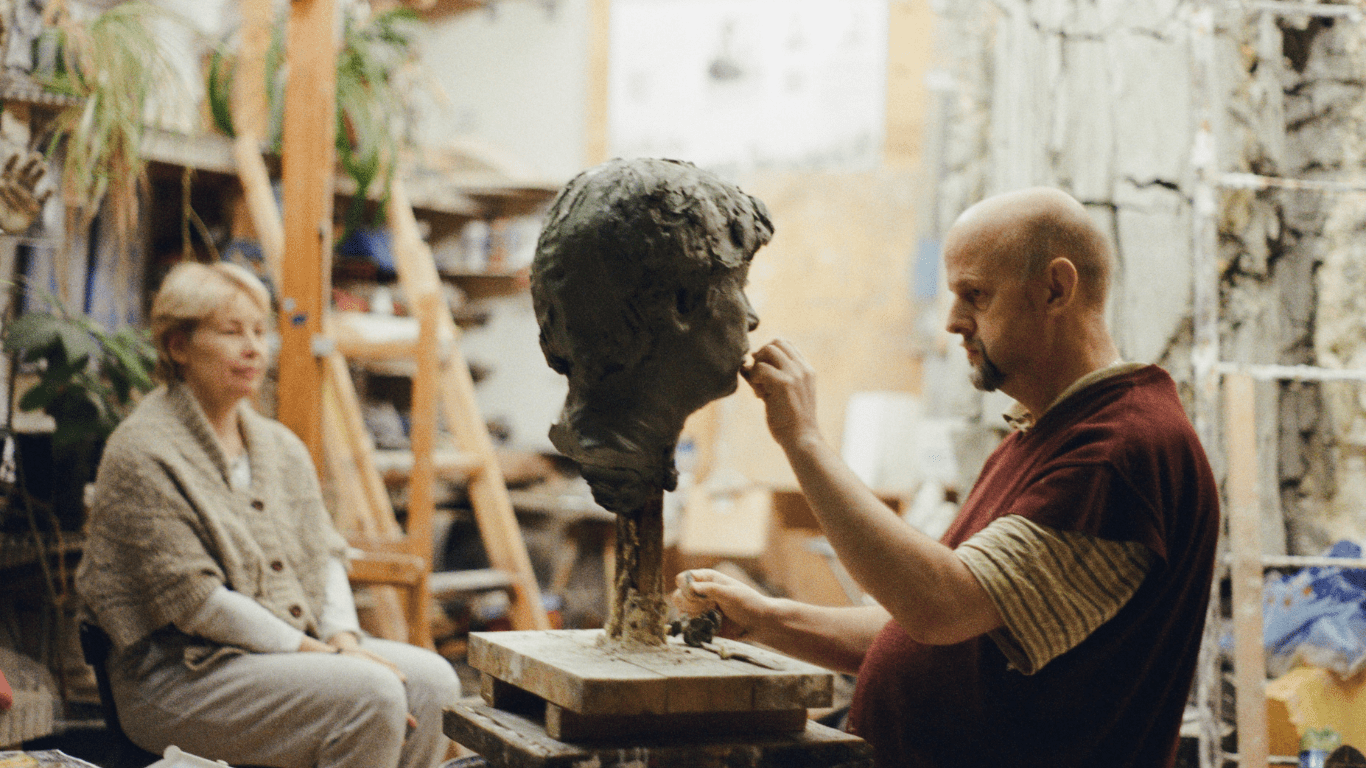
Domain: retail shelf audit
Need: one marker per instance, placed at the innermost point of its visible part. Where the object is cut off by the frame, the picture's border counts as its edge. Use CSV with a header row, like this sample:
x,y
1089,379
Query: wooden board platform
x,y
509,740
568,669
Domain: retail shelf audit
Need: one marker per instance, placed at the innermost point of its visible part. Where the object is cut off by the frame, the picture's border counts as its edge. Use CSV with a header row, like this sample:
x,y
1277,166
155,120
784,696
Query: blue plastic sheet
x,y
1317,616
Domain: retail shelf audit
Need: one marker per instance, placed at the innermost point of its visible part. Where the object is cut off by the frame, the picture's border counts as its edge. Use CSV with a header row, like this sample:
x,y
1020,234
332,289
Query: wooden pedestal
x,y
578,689
510,740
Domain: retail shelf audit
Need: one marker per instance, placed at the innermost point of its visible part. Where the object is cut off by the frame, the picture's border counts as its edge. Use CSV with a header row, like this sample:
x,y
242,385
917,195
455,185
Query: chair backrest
x,y
95,647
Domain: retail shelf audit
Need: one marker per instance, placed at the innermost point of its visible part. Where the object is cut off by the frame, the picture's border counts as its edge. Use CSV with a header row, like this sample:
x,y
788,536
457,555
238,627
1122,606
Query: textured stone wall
x,y
1096,97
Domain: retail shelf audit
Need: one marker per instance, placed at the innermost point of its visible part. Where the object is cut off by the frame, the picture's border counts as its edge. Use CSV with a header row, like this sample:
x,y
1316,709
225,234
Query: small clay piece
x,y
697,630
638,285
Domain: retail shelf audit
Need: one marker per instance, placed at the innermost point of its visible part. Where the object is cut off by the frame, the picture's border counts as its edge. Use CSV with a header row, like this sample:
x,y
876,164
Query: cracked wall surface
x,y
1097,97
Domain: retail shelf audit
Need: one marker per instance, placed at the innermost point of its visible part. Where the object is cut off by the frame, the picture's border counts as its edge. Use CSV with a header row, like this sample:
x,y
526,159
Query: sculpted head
x,y
638,285
1025,267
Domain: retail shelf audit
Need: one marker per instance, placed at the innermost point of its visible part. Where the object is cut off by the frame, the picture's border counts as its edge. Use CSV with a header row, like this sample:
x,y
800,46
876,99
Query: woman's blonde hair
x,y
190,293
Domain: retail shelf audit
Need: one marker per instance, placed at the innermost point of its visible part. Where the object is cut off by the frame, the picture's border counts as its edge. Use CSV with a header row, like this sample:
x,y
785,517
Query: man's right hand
x,y
786,382
744,608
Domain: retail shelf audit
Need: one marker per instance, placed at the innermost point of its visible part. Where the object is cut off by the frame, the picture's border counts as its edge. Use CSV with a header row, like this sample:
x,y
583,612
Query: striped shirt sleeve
x,y
1053,588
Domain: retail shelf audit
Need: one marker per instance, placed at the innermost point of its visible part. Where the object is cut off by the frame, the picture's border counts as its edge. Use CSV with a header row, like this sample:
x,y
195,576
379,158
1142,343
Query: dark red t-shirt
x,y
1118,460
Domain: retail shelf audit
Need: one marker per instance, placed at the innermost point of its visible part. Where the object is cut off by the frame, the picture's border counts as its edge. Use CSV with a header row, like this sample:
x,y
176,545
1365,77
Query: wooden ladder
x,y
442,382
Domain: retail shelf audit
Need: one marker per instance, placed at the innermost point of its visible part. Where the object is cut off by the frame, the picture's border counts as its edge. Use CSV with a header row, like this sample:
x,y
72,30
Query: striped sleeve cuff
x,y
1052,588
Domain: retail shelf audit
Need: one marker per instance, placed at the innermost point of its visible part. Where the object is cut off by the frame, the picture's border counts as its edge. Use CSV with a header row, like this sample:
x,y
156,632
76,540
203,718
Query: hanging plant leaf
x,y
34,331
77,342
219,91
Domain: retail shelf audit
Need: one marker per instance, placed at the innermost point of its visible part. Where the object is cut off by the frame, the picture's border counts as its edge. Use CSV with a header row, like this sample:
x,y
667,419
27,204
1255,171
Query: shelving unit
x,y
1233,383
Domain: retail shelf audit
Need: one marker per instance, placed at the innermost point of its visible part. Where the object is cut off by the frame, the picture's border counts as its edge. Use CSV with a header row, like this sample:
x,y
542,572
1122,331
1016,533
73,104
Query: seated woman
x,y
212,564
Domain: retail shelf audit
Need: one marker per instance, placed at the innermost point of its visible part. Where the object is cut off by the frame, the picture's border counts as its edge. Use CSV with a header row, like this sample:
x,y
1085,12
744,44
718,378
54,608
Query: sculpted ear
x,y
686,301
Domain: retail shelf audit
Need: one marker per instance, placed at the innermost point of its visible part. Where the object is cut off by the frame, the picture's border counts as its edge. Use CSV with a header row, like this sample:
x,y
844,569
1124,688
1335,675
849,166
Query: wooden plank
x,y
352,514
1245,530
391,568
353,348
572,669
422,430
567,668
510,740
361,446
260,199
564,725
308,162
422,434
474,580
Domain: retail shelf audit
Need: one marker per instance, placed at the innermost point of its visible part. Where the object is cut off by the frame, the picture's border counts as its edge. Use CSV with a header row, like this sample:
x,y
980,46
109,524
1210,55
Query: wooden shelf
x,y
461,194
481,285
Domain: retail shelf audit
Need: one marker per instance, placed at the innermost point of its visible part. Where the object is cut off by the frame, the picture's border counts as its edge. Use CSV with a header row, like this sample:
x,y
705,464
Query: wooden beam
x,y
250,110
1245,542
308,159
260,199
599,72
421,504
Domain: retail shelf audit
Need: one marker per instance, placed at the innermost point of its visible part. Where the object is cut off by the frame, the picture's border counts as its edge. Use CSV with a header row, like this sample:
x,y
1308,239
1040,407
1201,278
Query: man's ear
x,y
1062,283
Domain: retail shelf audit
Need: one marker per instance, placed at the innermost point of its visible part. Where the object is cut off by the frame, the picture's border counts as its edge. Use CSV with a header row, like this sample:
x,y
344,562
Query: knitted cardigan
x,y
166,528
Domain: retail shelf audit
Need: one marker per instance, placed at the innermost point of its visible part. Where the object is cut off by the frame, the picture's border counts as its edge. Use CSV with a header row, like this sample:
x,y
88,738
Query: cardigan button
x,y
258,505
276,565
296,611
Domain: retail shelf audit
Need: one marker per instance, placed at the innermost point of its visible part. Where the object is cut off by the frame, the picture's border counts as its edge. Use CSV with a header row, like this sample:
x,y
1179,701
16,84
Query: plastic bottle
x,y
1316,745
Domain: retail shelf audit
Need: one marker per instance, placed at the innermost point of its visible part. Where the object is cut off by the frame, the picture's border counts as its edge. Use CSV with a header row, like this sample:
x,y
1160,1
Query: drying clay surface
x,y
638,285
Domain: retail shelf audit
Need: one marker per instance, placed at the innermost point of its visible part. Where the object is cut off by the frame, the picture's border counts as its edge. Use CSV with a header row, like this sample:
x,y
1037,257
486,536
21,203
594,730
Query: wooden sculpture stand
x,y
604,698
564,698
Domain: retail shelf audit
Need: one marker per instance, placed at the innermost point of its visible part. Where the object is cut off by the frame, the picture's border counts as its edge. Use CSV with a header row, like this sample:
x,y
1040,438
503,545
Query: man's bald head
x,y
1029,228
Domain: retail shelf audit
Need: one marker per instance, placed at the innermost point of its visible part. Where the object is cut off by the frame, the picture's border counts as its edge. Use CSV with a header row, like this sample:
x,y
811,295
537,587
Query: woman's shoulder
x,y
153,414
280,437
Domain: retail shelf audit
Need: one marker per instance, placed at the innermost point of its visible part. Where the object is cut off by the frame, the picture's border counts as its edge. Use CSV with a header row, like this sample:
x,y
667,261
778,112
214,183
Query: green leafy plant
x,y
372,99
114,63
87,377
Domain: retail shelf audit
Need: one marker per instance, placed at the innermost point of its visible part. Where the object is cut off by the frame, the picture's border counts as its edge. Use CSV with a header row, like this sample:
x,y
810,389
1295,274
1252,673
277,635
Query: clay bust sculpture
x,y
638,284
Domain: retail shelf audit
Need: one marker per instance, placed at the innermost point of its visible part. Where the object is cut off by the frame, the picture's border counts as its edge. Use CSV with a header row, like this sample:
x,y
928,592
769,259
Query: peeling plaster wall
x,y
1095,97
1333,114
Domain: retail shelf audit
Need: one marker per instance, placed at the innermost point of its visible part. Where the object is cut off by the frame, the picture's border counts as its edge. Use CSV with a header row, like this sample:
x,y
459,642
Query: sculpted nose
x,y
751,317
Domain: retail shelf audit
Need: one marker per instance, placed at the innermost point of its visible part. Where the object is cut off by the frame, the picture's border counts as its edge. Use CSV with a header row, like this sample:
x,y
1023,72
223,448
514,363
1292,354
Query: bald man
x,y
1058,620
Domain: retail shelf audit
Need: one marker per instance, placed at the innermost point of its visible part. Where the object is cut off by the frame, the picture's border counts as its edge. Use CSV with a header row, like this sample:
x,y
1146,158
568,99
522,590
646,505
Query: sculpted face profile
x,y
638,285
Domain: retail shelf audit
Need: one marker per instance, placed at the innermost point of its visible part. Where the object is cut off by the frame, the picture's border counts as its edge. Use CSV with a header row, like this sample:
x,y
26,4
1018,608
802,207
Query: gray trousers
x,y
286,710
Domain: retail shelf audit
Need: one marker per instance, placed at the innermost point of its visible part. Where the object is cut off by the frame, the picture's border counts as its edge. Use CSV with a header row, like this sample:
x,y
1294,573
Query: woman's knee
x,y
434,679
374,695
